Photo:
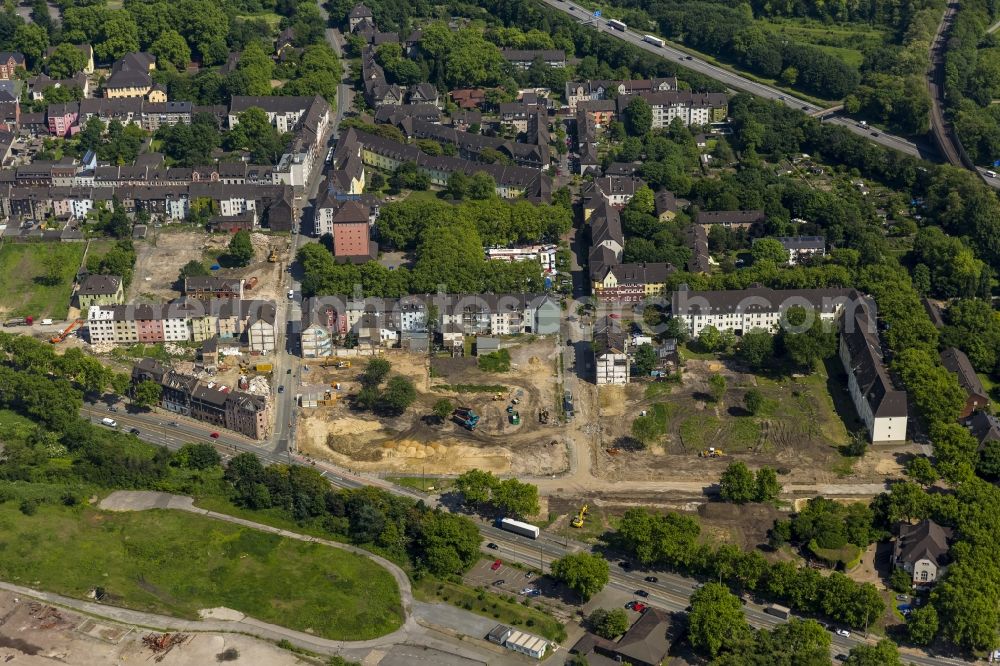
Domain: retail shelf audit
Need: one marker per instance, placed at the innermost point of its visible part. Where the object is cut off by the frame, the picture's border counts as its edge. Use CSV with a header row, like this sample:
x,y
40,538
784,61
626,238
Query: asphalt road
x,y
922,148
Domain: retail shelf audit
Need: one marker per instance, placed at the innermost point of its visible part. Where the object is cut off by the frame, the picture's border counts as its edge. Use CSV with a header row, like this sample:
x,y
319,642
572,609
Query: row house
x,y
283,112
730,219
512,182
63,118
611,359
10,63
148,115
387,321
589,91
37,85
532,154
209,287
691,108
250,322
210,402
617,191
631,283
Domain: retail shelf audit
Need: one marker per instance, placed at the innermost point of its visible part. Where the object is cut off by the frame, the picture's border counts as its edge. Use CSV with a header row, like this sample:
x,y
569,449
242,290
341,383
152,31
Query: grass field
x,y
175,563
24,272
842,40
424,485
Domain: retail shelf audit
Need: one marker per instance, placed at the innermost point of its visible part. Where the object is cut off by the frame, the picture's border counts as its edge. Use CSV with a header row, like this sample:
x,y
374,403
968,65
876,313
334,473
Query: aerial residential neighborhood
x,y
499,333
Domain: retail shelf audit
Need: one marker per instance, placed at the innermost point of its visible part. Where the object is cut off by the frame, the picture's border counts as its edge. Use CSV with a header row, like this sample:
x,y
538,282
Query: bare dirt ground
x,y
417,442
33,633
799,433
161,257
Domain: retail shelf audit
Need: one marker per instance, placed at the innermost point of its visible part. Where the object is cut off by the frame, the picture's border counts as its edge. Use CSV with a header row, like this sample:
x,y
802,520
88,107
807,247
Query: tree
x,y
884,653
645,359
32,40
922,625
240,250
710,339
584,573
767,487
147,394
717,385
754,401
448,543
769,249
118,224
197,456
65,61
756,348
476,486
375,372
638,117
716,620
193,268
443,408
804,345
737,483
643,201
254,133
119,35
399,394
921,470
458,185
482,186
609,623
171,51
989,460
515,498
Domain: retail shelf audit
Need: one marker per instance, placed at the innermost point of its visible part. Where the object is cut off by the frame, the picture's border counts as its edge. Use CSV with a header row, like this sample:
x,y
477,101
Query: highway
x,y
921,148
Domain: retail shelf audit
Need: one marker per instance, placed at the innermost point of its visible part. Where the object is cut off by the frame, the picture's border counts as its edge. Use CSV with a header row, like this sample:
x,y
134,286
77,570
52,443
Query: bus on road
x,y
617,25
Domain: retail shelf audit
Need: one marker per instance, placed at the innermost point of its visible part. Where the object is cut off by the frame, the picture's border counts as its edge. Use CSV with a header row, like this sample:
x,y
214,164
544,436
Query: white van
x,y
991,174
111,423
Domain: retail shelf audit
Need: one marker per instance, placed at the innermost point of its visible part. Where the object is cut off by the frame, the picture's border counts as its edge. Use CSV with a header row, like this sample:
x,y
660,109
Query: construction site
x,y
504,422
160,258
34,633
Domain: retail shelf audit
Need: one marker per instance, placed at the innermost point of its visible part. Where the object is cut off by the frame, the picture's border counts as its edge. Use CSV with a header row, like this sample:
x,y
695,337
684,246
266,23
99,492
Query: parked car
x,y
496,565
652,579
902,597
498,583
843,632
492,546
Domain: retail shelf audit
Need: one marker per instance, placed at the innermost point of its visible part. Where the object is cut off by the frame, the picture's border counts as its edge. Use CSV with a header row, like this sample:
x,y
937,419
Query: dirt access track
x,y
417,442
161,256
34,633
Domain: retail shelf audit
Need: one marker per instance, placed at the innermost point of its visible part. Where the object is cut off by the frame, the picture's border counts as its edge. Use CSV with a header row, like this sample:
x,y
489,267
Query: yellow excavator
x,y
578,519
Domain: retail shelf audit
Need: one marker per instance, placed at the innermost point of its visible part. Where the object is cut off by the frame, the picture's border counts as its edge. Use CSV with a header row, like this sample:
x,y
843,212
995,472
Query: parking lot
x,y
506,579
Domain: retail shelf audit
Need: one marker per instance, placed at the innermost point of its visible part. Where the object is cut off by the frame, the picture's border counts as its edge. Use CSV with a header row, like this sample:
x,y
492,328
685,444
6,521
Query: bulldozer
x,y
578,518
712,452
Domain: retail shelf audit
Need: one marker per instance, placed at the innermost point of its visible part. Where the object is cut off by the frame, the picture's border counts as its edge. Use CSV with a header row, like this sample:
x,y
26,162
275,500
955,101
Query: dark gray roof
x,y
700,255
958,363
609,336
360,11
729,217
801,243
528,55
647,641
868,366
925,540
100,285
984,427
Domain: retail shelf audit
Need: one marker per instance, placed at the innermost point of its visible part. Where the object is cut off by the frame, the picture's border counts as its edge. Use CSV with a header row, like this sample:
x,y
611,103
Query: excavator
x,y
578,518
712,452
56,339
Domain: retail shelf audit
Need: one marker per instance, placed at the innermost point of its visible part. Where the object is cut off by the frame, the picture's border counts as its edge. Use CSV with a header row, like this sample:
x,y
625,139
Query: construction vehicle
x,y
612,452
515,418
20,321
272,258
329,399
497,396
543,416
467,418
578,518
56,339
341,365
711,453
264,367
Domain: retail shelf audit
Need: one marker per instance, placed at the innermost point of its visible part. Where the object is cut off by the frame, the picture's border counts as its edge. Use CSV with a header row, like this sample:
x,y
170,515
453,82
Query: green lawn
x,y
25,272
504,609
176,563
841,40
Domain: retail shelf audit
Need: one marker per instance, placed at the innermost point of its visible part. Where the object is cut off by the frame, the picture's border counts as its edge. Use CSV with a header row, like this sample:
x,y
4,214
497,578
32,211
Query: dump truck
x,y
20,321
515,418
466,418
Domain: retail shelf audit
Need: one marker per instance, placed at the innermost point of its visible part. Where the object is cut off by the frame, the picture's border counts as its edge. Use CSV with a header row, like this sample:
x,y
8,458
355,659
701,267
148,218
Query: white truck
x,y
517,527
111,423
655,41
617,25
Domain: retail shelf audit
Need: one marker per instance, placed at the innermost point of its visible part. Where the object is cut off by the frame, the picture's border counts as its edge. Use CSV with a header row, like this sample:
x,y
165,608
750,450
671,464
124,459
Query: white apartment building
x,y
543,254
